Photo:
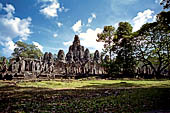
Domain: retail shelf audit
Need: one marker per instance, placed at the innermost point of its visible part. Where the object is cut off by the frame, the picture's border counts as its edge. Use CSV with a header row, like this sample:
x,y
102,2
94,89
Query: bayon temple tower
x,y
77,62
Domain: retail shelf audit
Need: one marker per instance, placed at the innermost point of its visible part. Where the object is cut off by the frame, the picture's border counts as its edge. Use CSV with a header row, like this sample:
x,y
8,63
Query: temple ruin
x,y
77,62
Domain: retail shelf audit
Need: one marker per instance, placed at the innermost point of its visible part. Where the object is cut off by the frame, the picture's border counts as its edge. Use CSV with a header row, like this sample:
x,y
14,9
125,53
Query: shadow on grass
x,y
78,100
12,88
114,85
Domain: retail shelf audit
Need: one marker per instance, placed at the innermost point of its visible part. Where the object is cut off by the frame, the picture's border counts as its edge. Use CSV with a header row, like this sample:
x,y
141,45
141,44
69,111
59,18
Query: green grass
x,y
89,96
93,84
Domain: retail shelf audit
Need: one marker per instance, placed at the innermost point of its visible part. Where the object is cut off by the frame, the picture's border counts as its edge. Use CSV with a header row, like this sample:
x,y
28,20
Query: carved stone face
x,y
76,40
61,55
71,48
79,48
69,56
46,56
87,54
96,55
50,55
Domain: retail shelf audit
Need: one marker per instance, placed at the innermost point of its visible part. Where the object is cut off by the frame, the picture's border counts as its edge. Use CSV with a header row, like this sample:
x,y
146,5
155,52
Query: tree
x,y
165,3
107,37
118,43
125,51
26,50
164,19
153,44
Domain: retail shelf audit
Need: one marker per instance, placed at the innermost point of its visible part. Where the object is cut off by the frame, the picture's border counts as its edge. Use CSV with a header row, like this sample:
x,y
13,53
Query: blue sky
x,y
52,24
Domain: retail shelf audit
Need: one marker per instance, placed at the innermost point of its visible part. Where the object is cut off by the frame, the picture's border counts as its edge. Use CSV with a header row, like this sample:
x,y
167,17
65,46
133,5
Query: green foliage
x,y
107,36
26,50
149,45
119,44
163,18
125,50
153,43
122,49
124,30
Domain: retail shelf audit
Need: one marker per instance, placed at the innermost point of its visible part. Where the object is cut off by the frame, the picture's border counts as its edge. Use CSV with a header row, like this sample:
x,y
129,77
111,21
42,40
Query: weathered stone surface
x,y
51,58
87,55
61,56
76,62
77,50
22,65
33,66
46,56
69,57
27,68
76,40
96,56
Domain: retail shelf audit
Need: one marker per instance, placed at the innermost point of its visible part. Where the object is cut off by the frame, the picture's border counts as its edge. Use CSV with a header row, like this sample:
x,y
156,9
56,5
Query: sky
x,y
52,24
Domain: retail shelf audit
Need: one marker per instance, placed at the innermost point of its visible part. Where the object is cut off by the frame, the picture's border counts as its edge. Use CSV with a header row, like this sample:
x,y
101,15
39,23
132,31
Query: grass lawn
x,y
117,96
93,84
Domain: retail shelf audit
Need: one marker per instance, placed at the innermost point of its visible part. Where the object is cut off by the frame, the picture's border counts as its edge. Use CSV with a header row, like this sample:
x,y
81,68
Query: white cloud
x,y
90,19
142,18
9,47
55,35
63,9
12,27
88,39
38,45
154,18
59,24
15,27
77,26
50,10
93,15
68,43
9,8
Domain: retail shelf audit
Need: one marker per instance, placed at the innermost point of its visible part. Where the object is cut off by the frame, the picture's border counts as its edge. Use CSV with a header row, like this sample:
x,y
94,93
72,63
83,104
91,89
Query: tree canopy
x,y
153,44
125,49
107,36
26,50
149,46
118,44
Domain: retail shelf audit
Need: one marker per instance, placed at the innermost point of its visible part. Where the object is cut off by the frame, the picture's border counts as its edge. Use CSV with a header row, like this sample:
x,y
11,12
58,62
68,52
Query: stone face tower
x,y
76,51
76,40
77,62
61,56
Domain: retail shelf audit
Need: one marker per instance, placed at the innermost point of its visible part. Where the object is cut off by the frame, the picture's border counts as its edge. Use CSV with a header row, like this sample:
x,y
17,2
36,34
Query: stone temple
x,y
77,62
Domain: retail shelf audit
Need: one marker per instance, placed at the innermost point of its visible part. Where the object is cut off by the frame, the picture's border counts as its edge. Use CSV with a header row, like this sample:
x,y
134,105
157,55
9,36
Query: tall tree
x,y
118,43
153,44
26,50
107,37
124,49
